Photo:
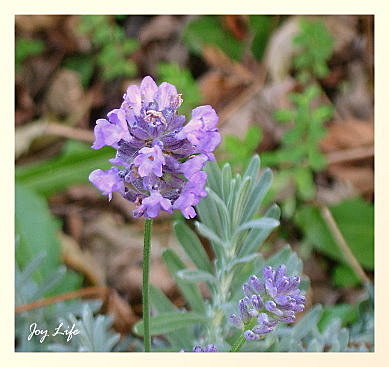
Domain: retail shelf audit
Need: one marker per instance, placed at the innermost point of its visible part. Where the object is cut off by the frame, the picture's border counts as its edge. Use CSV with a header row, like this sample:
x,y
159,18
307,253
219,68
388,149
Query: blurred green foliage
x,y
299,156
238,152
25,48
343,311
70,167
36,231
209,30
355,219
184,81
315,48
112,48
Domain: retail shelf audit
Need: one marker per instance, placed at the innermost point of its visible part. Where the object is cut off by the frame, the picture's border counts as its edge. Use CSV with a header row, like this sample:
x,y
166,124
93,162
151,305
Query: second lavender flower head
x,y
274,299
160,157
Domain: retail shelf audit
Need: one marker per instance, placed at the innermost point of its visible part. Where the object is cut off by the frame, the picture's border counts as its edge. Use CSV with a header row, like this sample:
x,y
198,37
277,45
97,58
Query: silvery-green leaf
x,y
223,211
262,223
208,233
242,260
241,200
253,167
21,277
181,338
192,246
226,182
307,323
257,194
209,214
196,276
315,346
214,177
169,322
190,291
256,236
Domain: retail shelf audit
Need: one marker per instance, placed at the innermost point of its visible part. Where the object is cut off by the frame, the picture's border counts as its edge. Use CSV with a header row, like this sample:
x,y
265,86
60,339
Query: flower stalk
x,y
145,284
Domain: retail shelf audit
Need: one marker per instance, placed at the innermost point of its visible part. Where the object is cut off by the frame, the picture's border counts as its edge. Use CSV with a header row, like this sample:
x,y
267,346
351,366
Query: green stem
x,y
238,344
241,339
145,285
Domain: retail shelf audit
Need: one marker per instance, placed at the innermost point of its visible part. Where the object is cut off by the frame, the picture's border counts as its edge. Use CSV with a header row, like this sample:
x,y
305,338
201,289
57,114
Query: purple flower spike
x,y
160,157
273,299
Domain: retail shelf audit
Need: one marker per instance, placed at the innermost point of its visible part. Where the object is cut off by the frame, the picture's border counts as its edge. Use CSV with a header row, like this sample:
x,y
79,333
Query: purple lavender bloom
x,y
269,301
160,157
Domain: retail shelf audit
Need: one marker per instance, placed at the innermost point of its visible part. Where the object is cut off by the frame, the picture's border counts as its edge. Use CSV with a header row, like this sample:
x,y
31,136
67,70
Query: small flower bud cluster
x,y
159,155
271,300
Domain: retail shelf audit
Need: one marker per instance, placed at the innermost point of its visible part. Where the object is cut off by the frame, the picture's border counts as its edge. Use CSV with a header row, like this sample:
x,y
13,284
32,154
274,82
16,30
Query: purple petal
x,y
107,181
133,98
166,95
148,89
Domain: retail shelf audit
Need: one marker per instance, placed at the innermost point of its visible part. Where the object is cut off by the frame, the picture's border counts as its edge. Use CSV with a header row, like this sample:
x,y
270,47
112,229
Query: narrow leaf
x,y
196,276
192,246
169,322
190,291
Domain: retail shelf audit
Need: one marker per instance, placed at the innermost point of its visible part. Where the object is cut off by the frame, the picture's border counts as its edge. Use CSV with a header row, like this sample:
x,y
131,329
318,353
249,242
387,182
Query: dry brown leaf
x,y
161,27
81,261
348,134
215,88
362,178
65,93
218,60
36,23
237,25
120,310
355,98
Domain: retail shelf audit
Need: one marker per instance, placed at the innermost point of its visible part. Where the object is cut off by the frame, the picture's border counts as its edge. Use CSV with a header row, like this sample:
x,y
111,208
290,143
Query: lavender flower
x,y
200,349
160,157
273,299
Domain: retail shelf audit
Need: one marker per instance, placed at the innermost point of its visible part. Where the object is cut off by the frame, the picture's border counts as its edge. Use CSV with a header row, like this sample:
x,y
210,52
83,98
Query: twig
x,y
70,132
98,292
352,154
342,244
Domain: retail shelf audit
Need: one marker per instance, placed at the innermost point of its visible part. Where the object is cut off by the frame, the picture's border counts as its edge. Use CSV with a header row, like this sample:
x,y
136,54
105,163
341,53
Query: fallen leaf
x,y
347,134
65,93
361,178
81,260
121,311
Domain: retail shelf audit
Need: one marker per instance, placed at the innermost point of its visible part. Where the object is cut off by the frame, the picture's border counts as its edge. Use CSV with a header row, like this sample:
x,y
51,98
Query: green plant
x,y
315,48
209,30
71,166
112,47
239,152
25,48
299,156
